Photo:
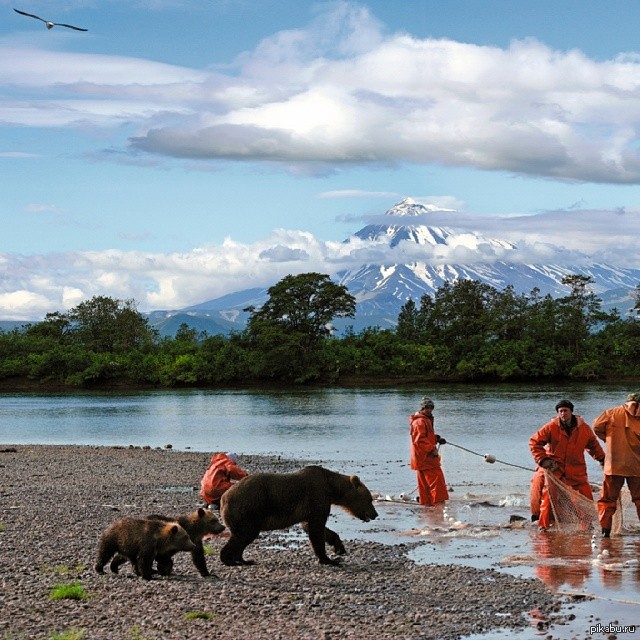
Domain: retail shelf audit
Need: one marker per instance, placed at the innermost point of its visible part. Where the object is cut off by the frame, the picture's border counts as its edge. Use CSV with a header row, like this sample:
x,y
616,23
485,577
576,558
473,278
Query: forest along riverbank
x,y
56,500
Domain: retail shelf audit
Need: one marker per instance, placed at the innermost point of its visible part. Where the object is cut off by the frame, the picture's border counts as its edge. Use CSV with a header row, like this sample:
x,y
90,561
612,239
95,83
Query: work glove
x,y
549,464
440,439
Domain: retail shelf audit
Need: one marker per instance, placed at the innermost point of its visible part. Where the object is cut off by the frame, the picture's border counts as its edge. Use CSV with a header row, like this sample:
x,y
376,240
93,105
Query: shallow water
x,y
365,431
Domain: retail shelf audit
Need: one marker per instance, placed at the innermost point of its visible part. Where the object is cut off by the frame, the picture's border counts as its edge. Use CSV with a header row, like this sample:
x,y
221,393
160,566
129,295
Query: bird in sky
x,y
50,25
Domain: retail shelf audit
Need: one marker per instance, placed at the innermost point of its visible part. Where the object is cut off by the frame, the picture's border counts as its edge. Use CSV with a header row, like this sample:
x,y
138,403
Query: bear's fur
x,y
266,501
141,541
198,524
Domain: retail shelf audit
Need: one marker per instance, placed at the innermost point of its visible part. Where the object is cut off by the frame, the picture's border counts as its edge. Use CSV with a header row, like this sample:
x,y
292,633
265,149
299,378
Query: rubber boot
x,y
606,533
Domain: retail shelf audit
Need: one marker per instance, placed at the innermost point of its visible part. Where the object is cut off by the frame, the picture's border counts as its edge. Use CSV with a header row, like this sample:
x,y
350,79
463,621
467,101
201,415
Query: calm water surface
x,y
368,427
366,431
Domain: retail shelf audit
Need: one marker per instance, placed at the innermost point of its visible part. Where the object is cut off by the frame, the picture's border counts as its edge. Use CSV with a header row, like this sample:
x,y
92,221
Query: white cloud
x,y
32,285
18,154
43,208
341,92
24,305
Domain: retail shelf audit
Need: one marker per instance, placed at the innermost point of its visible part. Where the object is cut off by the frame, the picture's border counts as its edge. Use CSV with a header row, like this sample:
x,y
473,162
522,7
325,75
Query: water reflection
x,y
617,561
586,562
562,558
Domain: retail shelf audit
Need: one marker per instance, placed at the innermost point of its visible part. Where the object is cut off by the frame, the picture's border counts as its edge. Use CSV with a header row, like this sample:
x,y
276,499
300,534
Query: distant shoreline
x,y
12,385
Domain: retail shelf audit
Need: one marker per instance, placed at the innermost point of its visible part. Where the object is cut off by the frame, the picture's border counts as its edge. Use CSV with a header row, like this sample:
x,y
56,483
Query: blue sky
x,y
178,151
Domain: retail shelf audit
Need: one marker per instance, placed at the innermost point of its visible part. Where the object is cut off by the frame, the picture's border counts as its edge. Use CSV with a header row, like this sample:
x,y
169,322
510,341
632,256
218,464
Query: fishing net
x,y
574,512
625,519
571,510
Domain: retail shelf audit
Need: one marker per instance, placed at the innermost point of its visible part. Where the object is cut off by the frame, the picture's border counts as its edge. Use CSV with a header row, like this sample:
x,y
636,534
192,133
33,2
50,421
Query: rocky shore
x,y
56,501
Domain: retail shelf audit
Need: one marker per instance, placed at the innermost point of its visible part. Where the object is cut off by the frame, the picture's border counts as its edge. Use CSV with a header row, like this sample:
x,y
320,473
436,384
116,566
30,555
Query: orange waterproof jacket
x,y
218,477
423,442
619,427
567,451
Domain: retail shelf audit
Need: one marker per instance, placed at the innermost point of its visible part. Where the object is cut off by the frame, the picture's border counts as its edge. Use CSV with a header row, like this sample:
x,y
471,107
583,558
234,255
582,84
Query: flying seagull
x,y
50,25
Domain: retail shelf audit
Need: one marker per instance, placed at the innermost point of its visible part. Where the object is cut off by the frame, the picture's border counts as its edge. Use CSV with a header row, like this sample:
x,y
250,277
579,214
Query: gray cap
x,y
426,402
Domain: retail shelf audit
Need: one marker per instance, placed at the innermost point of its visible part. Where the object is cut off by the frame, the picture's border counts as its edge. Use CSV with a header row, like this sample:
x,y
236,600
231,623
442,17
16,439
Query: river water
x,y
365,431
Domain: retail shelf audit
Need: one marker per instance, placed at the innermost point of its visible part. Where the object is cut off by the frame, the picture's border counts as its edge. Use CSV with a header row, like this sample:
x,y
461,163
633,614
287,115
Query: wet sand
x,y
56,500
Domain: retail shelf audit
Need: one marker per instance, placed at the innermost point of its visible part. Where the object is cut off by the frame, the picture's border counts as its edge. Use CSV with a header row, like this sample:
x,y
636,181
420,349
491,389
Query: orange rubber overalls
x,y
567,449
425,460
619,427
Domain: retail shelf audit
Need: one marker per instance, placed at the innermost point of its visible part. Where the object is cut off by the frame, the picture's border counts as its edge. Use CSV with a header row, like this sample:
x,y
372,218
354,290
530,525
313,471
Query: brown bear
x,y
266,501
141,541
198,525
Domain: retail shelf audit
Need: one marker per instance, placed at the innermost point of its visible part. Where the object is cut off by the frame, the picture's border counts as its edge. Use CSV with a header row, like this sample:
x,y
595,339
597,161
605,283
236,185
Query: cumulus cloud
x,y
341,91
280,253
33,285
605,235
526,109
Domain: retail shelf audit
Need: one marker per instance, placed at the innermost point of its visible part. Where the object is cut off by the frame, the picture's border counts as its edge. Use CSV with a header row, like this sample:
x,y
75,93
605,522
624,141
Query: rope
x,y
475,453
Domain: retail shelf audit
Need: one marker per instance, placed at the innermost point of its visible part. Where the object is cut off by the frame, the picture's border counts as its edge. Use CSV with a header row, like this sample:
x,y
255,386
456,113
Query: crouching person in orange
x,y
558,447
619,427
425,460
222,471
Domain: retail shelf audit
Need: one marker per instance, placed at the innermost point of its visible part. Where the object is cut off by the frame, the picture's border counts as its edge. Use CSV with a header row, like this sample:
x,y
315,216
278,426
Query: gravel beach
x,y
57,500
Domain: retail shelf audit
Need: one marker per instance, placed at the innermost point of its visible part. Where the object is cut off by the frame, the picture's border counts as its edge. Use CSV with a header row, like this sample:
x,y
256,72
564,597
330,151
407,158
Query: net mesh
x,y
625,519
571,510
574,512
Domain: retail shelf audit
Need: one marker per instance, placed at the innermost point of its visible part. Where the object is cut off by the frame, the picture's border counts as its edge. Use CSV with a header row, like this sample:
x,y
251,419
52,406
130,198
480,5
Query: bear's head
x,y
175,538
205,522
357,500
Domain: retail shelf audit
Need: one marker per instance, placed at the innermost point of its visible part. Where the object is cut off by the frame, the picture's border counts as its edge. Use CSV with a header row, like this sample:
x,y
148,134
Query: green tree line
x,y
466,331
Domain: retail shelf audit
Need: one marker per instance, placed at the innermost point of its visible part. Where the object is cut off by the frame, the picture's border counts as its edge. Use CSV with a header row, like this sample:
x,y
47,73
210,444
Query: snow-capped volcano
x,y
402,227
381,289
420,258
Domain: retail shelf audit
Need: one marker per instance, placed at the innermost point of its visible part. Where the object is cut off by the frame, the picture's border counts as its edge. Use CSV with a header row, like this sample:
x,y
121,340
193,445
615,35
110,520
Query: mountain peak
x,y
411,207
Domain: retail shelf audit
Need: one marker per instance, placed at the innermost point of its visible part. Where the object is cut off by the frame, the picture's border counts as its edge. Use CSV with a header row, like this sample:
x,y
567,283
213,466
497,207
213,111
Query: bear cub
x,y
198,524
141,542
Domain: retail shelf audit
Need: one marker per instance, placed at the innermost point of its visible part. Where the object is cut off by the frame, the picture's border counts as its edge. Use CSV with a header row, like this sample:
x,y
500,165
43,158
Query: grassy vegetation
x,y
136,634
69,591
200,615
68,634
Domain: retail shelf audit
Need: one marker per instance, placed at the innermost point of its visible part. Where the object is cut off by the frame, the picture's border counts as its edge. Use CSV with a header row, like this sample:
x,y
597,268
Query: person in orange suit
x,y
223,470
619,428
558,447
425,459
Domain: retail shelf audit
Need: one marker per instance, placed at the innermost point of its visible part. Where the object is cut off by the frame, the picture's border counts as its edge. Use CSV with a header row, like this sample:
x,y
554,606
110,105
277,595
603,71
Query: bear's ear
x,y
201,512
174,528
355,481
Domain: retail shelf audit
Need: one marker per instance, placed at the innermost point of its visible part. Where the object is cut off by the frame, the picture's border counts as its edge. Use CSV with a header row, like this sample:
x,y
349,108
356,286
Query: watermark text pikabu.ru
x,y
612,628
